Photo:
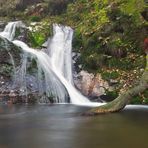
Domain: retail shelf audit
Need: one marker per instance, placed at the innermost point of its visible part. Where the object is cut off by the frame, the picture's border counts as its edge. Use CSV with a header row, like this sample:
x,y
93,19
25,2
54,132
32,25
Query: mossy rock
x,y
6,70
9,54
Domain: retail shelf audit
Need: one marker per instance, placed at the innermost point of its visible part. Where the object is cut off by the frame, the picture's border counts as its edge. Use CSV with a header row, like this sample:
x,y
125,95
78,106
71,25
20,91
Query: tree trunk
x,y
120,102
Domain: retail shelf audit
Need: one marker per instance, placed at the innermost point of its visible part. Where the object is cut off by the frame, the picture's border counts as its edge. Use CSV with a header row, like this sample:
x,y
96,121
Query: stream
x,y
62,126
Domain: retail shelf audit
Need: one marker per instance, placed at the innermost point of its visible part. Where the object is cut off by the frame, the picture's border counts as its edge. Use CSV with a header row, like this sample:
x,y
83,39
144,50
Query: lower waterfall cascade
x,y
55,63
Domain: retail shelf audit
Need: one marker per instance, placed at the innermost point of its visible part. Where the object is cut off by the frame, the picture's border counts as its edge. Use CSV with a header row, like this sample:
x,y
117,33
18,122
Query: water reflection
x,y
59,126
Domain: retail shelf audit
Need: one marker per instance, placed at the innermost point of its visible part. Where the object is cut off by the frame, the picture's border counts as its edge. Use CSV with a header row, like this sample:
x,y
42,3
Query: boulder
x,y
90,85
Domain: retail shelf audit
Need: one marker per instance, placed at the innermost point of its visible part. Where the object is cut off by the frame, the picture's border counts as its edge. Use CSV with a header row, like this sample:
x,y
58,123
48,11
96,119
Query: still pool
x,y
61,126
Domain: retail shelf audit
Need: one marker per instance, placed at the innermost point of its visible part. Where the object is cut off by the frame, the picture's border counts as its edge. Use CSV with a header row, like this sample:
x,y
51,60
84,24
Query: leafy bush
x,y
107,27
92,62
36,39
112,94
110,75
136,100
35,18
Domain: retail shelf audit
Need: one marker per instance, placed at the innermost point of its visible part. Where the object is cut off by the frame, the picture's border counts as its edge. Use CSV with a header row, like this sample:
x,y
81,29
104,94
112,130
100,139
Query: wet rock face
x,y
10,60
13,97
2,25
90,85
10,55
7,47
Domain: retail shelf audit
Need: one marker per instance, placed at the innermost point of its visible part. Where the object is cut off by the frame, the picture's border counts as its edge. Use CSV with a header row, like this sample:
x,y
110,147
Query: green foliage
x,y
146,100
145,94
123,64
112,94
94,61
136,100
36,39
110,75
107,27
89,19
38,34
127,63
6,70
133,8
35,18
141,98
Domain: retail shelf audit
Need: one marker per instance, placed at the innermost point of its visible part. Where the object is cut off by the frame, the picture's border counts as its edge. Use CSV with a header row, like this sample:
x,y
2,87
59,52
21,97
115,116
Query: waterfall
x,y
60,49
14,67
10,30
21,80
56,64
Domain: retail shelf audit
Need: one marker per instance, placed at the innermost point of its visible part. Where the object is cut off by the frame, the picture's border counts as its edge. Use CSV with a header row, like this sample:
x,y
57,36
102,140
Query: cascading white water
x,y
22,77
56,63
60,49
10,30
14,67
53,85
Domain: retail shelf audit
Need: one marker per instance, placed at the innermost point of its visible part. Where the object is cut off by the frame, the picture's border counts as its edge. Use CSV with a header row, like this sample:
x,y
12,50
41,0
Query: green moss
x,y
35,18
112,94
123,64
93,61
6,70
36,38
141,98
145,94
146,100
136,100
39,33
110,75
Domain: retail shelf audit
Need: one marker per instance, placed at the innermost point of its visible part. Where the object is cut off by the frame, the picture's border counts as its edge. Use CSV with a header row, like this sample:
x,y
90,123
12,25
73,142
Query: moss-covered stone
x,y
9,54
6,70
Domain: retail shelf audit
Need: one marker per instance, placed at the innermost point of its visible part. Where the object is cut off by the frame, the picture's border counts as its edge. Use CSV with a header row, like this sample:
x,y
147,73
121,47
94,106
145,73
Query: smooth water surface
x,y
61,126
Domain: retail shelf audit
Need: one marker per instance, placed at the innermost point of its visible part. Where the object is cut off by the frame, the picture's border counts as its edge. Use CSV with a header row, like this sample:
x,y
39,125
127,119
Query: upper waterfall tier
x,y
10,30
